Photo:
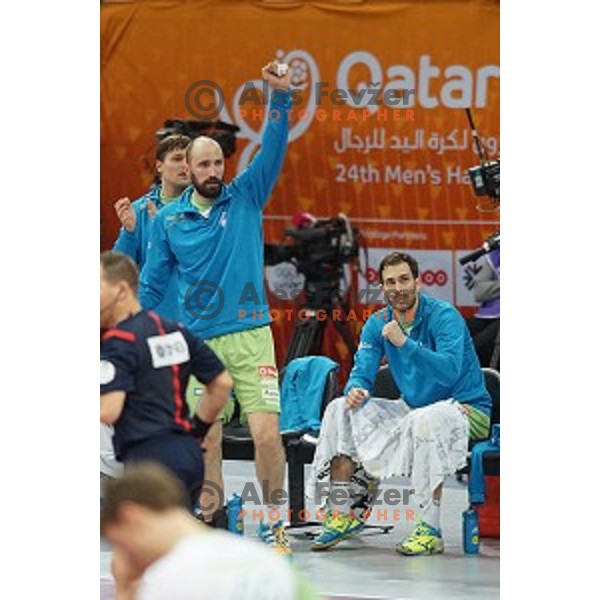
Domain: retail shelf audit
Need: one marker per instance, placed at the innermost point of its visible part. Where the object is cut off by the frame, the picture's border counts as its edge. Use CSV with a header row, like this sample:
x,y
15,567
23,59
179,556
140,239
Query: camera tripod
x,y
324,304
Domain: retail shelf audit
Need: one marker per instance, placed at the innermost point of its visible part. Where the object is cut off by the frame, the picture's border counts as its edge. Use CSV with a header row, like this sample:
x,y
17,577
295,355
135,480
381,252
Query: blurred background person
x,y
483,277
136,217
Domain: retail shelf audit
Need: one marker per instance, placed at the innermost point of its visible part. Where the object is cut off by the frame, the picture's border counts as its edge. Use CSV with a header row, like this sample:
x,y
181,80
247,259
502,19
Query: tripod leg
x,y
343,329
307,339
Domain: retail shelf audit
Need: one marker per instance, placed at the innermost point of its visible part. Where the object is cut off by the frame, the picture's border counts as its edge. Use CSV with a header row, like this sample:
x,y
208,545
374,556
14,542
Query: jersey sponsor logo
x,y
169,349
107,372
270,395
267,371
269,382
270,392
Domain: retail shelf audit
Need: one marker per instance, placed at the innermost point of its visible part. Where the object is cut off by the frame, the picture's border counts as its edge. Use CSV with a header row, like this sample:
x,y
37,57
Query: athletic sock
x,y
431,513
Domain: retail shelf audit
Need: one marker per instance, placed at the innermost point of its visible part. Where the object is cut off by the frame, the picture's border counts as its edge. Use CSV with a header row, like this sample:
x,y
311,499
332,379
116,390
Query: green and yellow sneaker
x,y
424,540
337,527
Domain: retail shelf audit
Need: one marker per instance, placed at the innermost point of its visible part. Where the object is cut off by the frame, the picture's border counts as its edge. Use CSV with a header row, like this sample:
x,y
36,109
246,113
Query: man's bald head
x,y
207,166
203,145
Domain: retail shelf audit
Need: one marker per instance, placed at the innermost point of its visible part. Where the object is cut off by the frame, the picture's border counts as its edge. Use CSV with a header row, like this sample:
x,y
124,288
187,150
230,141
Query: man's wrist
x,y
409,346
401,342
281,96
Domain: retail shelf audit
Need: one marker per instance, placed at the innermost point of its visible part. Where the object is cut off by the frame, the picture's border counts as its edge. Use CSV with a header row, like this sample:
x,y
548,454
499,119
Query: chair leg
x,y
295,484
296,487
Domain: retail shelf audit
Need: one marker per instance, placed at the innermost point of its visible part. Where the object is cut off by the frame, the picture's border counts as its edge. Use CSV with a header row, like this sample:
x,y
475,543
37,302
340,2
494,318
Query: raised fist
x,y
270,74
125,213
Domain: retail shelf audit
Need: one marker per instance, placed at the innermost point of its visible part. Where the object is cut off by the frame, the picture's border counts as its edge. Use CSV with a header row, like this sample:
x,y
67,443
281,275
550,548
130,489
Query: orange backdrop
x,y
401,181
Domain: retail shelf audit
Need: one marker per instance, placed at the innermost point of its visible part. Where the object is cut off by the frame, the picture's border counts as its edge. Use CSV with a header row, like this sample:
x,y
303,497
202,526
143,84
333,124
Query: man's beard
x,y
402,301
208,191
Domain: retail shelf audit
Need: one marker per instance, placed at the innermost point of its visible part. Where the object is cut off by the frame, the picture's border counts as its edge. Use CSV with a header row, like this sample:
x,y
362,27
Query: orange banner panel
x,y
378,128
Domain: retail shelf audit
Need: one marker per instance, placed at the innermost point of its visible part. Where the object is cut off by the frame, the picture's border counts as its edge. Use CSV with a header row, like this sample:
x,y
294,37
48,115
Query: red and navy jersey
x,y
151,360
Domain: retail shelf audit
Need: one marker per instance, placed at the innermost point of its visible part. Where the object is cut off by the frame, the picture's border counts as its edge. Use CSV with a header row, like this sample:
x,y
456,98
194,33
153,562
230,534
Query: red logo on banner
x,y
434,278
372,275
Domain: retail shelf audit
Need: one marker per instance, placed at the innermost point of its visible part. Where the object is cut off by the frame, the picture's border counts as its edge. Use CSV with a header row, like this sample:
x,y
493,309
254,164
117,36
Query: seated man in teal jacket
x,y
137,217
212,237
423,435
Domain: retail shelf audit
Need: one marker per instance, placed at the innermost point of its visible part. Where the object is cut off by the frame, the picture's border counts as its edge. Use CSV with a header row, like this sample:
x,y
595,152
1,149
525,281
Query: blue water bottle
x,y
235,516
471,531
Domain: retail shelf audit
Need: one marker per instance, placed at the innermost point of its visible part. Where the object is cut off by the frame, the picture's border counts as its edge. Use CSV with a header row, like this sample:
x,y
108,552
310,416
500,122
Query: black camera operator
x,y
483,270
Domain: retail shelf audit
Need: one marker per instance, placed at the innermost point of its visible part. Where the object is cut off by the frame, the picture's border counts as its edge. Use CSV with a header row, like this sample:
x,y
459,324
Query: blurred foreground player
x,y
161,552
145,364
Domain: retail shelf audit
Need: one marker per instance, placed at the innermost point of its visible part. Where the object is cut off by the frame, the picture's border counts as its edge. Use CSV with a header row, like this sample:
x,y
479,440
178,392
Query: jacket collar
x,y
154,195
184,204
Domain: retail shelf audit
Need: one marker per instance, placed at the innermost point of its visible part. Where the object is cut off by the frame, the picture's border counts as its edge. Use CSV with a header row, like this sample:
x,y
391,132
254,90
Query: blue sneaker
x,y
276,537
424,540
336,528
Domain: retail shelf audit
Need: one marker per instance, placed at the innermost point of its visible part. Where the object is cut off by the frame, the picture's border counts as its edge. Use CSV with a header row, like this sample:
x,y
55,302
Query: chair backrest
x,y
492,384
385,386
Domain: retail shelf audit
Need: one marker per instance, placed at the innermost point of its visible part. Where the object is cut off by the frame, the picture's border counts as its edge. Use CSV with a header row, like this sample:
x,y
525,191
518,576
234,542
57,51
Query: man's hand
x,y
126,214
391,331
356,397
277,83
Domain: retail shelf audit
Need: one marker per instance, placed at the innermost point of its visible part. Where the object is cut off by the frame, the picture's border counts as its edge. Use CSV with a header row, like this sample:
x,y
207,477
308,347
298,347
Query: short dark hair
x,y
119,267
397,258
146,484
176,141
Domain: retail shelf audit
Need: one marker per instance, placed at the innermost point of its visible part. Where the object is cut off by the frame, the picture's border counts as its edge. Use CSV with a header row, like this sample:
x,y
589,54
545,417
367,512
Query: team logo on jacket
x,y
175,218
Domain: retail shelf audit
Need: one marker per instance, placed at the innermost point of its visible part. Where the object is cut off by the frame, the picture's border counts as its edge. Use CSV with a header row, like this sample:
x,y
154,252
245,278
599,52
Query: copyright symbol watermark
x,y
211,498
204,99
391,296
204,300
